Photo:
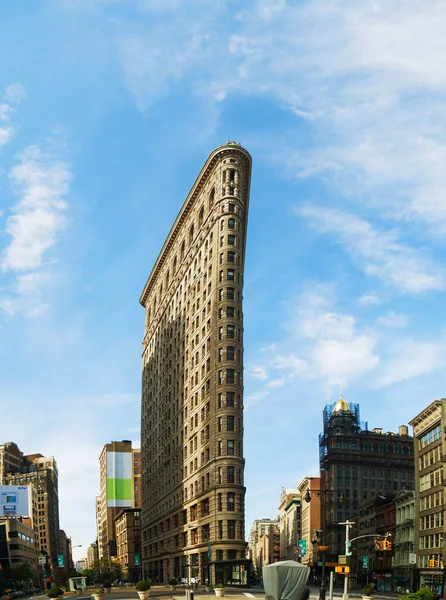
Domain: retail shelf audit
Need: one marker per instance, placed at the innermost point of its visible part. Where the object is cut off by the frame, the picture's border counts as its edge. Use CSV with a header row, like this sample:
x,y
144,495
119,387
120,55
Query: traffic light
x,y
432,562
384,543
389,545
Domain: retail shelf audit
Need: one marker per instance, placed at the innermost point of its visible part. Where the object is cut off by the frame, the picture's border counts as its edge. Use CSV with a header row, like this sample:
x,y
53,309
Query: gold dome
x,y
341,404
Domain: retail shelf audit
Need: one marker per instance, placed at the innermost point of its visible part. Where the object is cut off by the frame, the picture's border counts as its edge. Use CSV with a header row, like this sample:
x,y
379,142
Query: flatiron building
x,y
192,384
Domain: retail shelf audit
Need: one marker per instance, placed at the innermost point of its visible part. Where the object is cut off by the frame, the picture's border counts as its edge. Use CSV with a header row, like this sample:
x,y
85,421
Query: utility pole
x,y
348,524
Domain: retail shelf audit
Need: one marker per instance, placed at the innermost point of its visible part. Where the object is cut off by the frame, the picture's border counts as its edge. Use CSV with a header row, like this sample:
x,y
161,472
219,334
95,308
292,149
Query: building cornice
x,y
424,414
214,157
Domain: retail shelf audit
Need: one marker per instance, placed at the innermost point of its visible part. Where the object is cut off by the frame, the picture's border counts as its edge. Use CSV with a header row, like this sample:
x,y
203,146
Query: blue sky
x,y
108,110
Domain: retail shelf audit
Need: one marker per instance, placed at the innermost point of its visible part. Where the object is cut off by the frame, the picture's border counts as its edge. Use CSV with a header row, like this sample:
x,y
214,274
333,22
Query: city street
x,y
201,594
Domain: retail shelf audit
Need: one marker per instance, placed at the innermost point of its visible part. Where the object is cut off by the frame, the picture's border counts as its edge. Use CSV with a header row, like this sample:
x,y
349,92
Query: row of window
x,y
431,436
430,458
430,541
431,479
372,472
372,447
371,483
230,423
432,521
229,275
431,500
233,530
231,294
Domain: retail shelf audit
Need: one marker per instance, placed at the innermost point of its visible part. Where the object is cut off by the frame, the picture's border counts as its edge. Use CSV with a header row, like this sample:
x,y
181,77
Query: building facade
x,y
128,544
11,460
289,522
119,481
92,556
41,474
430,452
404,556
18,547
357,464
192,383
310,516
65,552
260,530
136,458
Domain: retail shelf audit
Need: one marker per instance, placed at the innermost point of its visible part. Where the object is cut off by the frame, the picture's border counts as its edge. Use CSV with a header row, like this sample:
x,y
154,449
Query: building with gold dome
x,y
357,464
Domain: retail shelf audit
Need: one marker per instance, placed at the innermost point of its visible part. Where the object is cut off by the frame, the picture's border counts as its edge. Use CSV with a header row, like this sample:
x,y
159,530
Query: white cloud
x,y
369,299
277,383
410,358
14,93
38,218
257,372
41,182
377,252
332,347
393,319
345,359
290,362
6,134
255,397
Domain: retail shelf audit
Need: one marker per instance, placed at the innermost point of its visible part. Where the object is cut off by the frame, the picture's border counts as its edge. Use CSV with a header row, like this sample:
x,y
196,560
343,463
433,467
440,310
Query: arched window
x,y
211,198
191,234
201,216
231,223
183,248
174,265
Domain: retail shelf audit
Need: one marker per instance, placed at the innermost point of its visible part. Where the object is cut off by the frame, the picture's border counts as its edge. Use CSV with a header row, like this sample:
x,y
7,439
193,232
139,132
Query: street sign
x,y
365,562
60,561
42,560
412,558
303,547
342,559
379,545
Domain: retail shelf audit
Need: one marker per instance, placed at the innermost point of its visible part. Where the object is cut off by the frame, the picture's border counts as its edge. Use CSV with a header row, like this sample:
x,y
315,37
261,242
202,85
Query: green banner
x,y
60,561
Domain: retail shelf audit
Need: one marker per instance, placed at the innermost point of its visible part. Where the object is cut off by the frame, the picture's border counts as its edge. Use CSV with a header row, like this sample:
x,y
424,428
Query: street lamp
x,y
319,533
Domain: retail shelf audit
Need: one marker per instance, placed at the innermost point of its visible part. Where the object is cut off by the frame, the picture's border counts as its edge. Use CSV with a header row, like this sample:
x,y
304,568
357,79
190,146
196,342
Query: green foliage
x,y
422,594
99,591
55,592
106,583
220,585
142,586
425,594
21,573
368,590
108,576
89,574
173,581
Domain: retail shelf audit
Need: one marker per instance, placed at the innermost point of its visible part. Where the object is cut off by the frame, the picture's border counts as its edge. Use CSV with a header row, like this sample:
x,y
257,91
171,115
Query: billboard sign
x,y
14,501
119,480
302,544
60,561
